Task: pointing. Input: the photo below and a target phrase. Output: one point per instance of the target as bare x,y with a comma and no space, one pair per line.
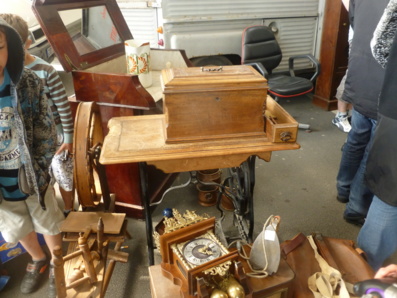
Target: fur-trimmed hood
16,52
384,34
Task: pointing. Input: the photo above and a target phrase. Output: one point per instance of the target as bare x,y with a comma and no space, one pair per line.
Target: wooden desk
141,139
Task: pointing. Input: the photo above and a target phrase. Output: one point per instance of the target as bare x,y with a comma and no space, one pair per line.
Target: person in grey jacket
27,145
363,84
378,236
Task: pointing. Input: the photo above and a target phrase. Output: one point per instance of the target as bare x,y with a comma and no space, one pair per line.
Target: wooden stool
86,269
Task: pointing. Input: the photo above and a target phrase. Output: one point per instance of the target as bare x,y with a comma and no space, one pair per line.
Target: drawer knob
285,136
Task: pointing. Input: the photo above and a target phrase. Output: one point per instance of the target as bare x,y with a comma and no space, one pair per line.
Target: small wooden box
203,103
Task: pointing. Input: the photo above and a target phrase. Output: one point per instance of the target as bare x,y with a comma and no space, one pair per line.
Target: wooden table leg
251,169
148,215
59,272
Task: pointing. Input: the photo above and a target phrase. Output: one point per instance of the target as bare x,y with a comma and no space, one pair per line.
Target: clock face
201,250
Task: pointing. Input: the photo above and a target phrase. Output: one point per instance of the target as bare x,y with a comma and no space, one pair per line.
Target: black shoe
52,288
34,273
355,219
343,200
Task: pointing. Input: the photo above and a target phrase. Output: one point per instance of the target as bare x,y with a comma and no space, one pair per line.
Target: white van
210,30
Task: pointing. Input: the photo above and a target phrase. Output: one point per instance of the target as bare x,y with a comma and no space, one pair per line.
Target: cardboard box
8,251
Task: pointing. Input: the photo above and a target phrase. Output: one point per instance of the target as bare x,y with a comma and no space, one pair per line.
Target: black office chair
261,50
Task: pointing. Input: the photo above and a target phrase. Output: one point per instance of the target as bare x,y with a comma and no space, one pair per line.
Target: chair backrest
259,44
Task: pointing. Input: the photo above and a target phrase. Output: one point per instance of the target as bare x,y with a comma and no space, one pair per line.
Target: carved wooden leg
100,237
88,261
59,272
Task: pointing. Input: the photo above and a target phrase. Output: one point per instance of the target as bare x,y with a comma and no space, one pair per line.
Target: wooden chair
260,49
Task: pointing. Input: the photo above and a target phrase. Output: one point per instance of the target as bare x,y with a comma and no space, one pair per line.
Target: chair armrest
259,67
315,62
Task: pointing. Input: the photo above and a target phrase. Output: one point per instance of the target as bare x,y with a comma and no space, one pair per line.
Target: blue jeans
350,179
378,236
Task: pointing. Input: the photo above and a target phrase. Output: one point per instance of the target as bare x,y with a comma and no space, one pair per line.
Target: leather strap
328,281
288,246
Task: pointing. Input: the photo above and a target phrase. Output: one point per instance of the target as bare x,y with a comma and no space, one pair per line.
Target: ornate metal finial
178,221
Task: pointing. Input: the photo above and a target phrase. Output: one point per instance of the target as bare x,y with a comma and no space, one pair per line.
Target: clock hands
200,250
205,250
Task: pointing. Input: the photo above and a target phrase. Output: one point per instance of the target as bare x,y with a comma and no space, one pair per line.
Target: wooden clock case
191,281
100,74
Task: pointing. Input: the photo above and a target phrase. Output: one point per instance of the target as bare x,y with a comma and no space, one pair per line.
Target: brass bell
218,294
234,288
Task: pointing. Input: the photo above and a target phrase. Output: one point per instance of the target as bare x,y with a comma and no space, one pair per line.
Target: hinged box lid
72,29
198,79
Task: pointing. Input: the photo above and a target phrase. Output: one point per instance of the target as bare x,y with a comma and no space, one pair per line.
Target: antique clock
199,250
192,254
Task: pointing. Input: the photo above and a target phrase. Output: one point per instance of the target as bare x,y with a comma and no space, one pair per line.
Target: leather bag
340,255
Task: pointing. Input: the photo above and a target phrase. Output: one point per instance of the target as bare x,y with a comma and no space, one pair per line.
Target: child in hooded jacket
27,146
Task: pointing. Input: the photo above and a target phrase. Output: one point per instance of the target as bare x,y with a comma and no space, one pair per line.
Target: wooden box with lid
203,103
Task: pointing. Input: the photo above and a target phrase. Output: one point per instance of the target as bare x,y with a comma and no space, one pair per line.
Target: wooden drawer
280,126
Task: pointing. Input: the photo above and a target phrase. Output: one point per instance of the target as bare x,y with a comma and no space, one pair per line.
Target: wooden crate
204,104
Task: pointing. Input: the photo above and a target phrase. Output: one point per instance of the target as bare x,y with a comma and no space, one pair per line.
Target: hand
205,250
388,271
65,146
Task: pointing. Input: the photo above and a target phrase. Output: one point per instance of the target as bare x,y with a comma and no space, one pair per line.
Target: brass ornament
232,287
180,221
236,291
220,270
216,293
